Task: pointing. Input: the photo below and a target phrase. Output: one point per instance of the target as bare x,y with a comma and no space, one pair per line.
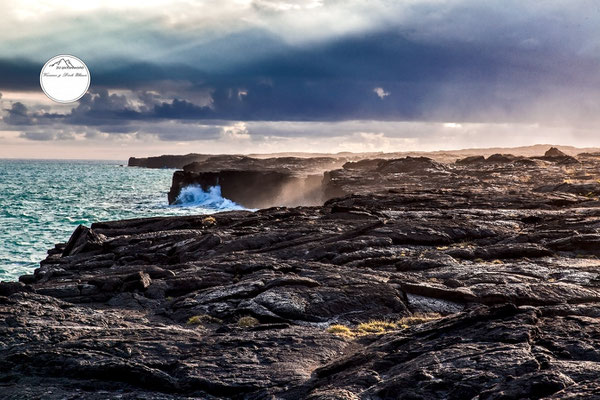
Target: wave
195,196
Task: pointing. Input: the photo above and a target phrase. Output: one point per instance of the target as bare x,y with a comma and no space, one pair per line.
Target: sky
261,76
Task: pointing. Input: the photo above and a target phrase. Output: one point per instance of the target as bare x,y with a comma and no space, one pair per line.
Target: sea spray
195,196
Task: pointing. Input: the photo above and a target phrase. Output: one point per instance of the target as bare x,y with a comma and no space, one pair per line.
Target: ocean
42,202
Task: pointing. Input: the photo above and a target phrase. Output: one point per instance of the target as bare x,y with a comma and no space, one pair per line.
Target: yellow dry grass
378,327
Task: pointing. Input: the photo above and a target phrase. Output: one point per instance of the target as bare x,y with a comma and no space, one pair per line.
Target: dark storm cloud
18,114
178,109
456,61
336,81
122,73
103,113
99,108
19,74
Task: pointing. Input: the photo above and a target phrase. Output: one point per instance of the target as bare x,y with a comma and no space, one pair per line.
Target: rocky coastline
259,183
410,278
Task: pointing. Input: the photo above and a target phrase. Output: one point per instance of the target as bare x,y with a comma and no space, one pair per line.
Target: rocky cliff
448,156
429,281
259,183
166,161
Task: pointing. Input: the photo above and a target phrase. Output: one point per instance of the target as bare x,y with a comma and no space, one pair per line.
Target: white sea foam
195,196
42,202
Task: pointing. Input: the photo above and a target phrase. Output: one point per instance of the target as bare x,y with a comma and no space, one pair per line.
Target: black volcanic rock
166,161
592,155
410,165
501,158
506,351
253,189
470,160
9,288
293,165
450,282
556,156
368,164
584,189
82,240
496,159
553,152
258,183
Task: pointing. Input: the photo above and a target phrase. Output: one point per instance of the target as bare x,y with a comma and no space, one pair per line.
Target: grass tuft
202,319
416,319
341,330
247,322
378,327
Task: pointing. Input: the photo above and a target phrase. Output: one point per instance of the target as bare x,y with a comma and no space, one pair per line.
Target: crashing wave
195,196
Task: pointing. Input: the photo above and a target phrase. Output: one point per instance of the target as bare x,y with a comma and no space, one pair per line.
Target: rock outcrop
463,281
495,159
423,165
259,183
470,160
555,155
166,161
553,152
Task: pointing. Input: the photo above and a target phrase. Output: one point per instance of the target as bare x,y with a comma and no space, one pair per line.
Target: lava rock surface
486,274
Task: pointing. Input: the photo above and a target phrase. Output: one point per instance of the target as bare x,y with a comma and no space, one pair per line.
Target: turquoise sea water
42,202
